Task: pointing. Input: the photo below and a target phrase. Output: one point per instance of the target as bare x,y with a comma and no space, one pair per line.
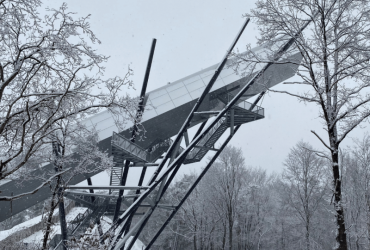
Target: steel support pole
121,243
196,106
156,181
89,182
257,100
200,129
62,213
173,156
173,174
190,190
232,111
186,136
198,103
139,113
161,190
163,187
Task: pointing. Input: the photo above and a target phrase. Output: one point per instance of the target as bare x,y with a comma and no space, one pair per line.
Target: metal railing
73,225
204,140
158,149
247,105
129,146
77,221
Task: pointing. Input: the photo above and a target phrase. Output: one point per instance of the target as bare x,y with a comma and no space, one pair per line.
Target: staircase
116,172
208,141
244,112
100,205
123,149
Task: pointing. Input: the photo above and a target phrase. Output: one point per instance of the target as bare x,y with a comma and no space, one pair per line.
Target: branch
10,198
321,139
354,125
1,73
349,111
298,96
318,153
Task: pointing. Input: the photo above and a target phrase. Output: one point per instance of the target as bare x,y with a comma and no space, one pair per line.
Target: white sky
192,35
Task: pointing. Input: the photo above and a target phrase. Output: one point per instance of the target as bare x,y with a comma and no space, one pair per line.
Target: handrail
81,216
129,146
247,105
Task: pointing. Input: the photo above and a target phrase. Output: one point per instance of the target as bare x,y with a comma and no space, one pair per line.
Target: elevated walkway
166,110
123,148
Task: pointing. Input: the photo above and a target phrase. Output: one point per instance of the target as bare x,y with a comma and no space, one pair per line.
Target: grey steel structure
214,98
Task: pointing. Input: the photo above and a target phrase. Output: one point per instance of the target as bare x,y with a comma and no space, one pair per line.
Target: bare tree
255,210
47,67
356,163
72,139
304,185
228,174
334,71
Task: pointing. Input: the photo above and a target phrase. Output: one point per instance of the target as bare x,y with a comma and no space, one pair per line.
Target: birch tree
334,72
49,73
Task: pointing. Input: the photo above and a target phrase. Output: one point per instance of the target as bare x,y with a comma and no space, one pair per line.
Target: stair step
209,140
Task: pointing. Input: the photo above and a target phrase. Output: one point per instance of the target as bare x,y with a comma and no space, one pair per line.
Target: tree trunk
368,219
307,237
195,238
230,228
341,235
62,219
224,237
49,221
307,228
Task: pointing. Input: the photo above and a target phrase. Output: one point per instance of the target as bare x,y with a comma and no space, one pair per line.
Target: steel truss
149,197
161,180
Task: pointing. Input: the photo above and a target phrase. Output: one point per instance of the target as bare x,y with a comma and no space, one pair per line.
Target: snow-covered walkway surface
4,234
29,223
106,223
37,236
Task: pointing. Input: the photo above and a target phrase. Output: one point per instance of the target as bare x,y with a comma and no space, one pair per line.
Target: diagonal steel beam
157,179
190,190
180,134
198,103
186,124
139,113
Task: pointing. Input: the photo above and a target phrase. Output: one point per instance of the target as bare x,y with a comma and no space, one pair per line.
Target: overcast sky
192,35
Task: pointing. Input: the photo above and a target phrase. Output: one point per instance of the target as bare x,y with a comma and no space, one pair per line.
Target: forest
236,206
